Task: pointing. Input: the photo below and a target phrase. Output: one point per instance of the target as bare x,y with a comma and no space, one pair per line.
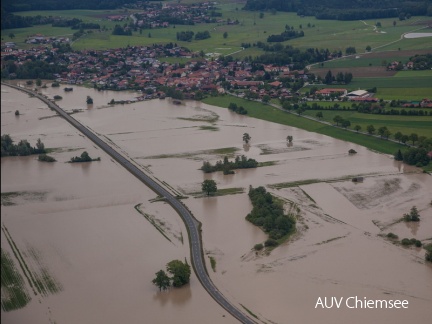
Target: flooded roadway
332,254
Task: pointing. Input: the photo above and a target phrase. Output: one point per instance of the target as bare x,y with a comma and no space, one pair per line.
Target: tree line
268,214
23,148
344,10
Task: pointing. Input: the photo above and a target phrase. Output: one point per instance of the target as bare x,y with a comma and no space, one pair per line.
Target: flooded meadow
95,236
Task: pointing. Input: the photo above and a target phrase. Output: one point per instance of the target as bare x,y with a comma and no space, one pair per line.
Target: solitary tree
337,119
357,128
370,129
17,113
413,137
246,138
413,216
11,35
225,35
89,100
162,280
345,123
398,156
398,136
289,138
209,186
319,115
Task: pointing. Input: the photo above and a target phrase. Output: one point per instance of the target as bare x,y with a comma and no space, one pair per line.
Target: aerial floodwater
94,236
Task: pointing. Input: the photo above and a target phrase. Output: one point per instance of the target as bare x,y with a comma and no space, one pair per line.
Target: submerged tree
181,272
162,281
289,138
413,216
209,186
246,138
89,100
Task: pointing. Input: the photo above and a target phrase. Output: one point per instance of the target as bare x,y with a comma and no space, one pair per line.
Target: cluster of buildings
162,15
356,95
41,39
138,67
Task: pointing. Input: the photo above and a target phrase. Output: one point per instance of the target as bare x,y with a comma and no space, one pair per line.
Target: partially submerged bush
258,246
392,236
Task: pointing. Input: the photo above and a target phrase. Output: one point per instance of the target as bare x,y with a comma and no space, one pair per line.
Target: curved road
192,225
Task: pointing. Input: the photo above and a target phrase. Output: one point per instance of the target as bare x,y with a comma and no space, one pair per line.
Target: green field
334,35
422,125
266,112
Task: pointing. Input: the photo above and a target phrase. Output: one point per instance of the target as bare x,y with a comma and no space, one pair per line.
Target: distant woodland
27,5
345,10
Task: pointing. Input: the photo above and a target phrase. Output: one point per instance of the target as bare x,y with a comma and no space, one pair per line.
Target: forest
345,10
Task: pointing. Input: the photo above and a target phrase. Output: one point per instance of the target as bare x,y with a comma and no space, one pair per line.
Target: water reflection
175,296
413,227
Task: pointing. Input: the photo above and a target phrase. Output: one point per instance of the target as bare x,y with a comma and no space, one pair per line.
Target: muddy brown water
104,253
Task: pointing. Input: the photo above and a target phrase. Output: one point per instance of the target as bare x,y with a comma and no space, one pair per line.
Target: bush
46,158
418,243
428,255
392,236
258,246
406,242
270,242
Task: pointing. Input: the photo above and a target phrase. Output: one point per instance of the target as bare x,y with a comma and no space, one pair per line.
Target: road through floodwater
193,226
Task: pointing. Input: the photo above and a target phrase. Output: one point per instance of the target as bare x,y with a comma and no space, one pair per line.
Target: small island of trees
240,162
268,213
83,158
180,275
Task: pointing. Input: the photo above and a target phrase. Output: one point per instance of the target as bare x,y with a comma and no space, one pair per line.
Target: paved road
192,225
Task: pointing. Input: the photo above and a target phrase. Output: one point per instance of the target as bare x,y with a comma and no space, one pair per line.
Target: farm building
329,91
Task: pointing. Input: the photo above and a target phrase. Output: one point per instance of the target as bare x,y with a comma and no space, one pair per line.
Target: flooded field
103,253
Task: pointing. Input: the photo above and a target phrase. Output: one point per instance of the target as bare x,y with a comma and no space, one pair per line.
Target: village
141,68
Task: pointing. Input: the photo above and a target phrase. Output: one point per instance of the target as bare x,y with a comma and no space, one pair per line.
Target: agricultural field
251,28
406,125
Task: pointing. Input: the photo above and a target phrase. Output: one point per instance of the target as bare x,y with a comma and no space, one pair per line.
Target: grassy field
405,124
321,33
265,112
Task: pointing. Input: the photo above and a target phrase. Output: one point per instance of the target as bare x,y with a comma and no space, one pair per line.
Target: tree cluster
287,34
237,109
422,62
343,122
185,36
299,59
180,275
32,69
240,162
413,156
268,214
340,78
83,158
23,148
202,35
122,31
